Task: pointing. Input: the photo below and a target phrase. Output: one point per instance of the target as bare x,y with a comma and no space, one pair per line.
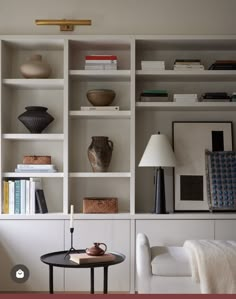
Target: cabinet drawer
175,232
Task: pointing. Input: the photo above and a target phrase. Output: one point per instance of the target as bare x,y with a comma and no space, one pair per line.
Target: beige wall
122,16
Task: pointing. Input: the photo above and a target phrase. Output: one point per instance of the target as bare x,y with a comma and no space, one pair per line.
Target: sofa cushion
170,261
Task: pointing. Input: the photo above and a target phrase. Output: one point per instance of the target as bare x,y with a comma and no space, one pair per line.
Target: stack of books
233,97
215,97
185,98
152,65
35,168
223,65
84,258
23,196
188,65
154,95
100,62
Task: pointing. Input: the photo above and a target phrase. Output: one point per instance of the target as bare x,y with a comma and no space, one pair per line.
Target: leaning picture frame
190,140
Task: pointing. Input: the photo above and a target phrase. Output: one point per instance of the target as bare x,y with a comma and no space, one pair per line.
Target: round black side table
59,259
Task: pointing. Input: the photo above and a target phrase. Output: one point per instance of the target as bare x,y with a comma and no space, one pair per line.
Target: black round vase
36,118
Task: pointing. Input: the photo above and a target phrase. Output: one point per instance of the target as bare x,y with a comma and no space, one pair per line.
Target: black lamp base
159,194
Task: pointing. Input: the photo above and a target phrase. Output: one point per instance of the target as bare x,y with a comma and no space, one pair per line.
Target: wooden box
100,205
37,160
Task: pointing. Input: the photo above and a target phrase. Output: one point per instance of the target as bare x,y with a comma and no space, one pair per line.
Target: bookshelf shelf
33,174
34,83
100,175
199,106
100,114
30,137
111,75
173,75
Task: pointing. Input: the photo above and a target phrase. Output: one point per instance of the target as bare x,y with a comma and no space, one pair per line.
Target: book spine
104,66
32,197
5,209
35,166
100,57
23,196
27,197
41,202
35,170
97,61
17,207
98,108
11,196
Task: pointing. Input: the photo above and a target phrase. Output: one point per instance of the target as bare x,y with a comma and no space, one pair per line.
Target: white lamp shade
158,153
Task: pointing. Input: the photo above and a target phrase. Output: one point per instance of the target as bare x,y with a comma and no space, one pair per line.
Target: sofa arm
143,257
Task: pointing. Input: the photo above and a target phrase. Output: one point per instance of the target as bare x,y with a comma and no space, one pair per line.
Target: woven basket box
100,205
37,160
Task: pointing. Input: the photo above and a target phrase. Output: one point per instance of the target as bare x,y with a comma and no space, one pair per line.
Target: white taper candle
71,216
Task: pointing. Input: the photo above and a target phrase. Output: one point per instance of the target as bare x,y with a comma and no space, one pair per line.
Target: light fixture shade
158,153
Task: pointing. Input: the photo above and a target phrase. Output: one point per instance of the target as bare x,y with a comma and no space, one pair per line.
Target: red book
101,57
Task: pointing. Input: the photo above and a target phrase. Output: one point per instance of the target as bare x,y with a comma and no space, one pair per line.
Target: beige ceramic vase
35,68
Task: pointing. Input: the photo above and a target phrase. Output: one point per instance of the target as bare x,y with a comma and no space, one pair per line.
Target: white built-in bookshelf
67,138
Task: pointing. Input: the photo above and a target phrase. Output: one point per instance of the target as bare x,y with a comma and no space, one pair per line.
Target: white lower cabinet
175,232
23,242
225,230
116,234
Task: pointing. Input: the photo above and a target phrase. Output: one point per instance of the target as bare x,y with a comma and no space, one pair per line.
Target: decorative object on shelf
100,62
65,25
40,202
190,140
154,95
100,205
185,98
37,160
188,65
221,183
35,68
72,249
50,168
36,118
158,154
152,65
215,97
101,97
100,153
223,65
96,250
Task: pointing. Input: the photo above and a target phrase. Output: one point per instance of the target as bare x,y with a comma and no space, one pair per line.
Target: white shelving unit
68,137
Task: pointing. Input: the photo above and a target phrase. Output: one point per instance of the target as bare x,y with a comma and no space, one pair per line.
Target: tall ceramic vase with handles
100,153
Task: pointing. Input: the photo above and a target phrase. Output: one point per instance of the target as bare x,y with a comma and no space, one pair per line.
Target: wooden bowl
101,97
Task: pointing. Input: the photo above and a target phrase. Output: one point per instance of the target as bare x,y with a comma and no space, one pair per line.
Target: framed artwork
190,141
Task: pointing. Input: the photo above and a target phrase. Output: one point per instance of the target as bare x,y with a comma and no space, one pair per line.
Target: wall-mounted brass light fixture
65,25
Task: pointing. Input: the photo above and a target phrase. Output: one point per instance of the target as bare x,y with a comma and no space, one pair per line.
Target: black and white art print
190,140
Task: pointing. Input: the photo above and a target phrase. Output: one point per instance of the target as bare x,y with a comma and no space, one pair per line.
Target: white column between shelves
66,128
132,127
1,99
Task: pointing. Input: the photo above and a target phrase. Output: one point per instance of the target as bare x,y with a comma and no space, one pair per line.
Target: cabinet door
225,230
116,234
175,232
23,242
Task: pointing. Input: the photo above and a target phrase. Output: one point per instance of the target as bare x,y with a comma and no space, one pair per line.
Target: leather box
100,205
37,160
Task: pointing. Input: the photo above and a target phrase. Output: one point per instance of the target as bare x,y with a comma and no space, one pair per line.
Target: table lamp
158,154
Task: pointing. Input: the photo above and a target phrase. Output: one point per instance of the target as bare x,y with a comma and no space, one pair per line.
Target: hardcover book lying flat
83,258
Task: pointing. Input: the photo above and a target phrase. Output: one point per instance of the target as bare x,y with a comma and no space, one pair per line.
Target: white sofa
162,270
